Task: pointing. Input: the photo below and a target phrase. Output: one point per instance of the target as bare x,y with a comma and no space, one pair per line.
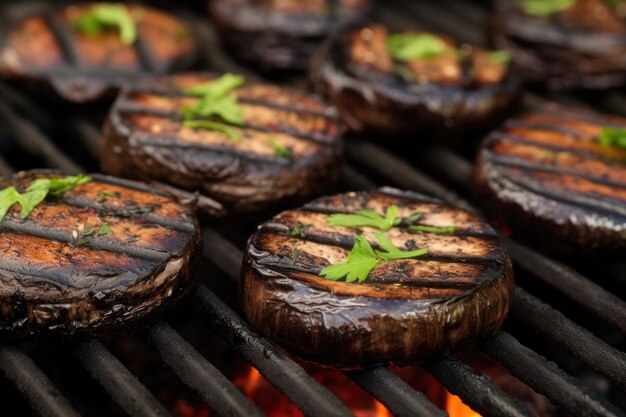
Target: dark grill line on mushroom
130,109
518,162
347,242
241,98
573,198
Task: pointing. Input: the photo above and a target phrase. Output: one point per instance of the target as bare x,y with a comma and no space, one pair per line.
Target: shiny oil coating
48,49
546,176
579,47
145,138
405,312
62,274
373,90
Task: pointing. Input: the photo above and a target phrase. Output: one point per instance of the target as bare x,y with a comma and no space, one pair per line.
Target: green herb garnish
499,57
211,125
36,193
405,46
104,16
280,150
545,8
362,259
612,137
431,229
105,229
367,218
217,103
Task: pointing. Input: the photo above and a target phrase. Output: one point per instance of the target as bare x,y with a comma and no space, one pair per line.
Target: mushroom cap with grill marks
406,311
100,258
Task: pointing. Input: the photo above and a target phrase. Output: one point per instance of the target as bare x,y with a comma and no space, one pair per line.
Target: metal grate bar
35,142
553,325
286,375
547,378
399,397
581,290
122,385
200,375
41,394
594,298
477,391
376,159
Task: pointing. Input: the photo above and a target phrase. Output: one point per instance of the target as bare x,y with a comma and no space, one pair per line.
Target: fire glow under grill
29,125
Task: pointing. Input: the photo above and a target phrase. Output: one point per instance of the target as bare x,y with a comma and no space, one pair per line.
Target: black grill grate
27,125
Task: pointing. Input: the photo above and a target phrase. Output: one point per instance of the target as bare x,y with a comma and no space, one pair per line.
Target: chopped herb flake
406,46
36,193
545,8
362,259
216,103
105,229
499,57
103,16
280,150
366,217
431,229
613,137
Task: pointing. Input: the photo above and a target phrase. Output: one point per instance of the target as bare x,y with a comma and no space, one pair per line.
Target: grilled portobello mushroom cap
97,260
545,177
459,89
281,35
406,311
582,46
290,147
47,51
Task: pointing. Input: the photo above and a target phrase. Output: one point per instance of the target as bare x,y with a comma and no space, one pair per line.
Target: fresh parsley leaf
211,125
226,108
367,218
89,231
431,229
405,46
413,217
359,263
216,103
546,8
393,252
499,57
102,16
362,259
218,87
612,136
280,150
36,193
105,229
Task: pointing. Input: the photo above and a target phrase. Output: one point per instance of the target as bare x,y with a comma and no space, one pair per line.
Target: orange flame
456,408
380,410
252,382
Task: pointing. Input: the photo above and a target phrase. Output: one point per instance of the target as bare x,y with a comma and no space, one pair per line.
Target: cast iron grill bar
377,380
581,343
476,390
200,375
568,282
402,400
118,381
35,142
227,257
547,378
134,397
39,391
286,375
594,298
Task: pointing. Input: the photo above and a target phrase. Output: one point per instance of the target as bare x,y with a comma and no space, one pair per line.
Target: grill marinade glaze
405,312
